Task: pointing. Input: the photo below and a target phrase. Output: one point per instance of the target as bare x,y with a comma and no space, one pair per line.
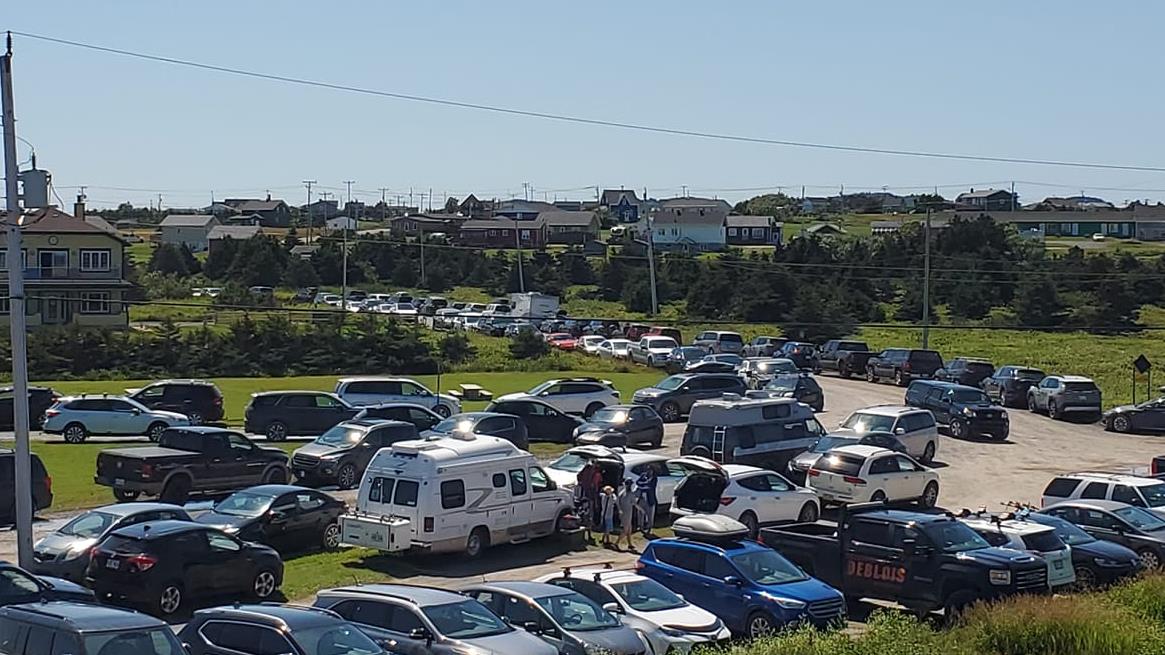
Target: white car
615,349
330,299
1040,540
402,309
858,474
914,427
362,391
754,496
652,350
76,418
582,396
590,343
618,465
670,624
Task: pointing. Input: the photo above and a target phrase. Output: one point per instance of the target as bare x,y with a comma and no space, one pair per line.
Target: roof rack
359,588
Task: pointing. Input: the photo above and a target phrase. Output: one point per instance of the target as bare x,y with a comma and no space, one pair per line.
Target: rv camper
757,429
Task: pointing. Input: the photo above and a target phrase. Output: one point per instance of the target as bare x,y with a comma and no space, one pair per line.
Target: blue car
753,589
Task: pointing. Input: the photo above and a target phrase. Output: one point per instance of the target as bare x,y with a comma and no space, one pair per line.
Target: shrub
455,348
528,345
1145,596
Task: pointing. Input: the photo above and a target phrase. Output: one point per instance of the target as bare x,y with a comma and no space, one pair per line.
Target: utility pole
1013,196
518,245
651,263
308,183
926,282
23,477
685,190
383,205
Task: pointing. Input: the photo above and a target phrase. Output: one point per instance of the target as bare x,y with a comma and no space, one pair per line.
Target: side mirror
733,581
532,627
899,431
421,633
135,411
186,646
612,608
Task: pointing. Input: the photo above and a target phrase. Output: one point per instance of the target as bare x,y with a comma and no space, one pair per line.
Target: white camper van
453,493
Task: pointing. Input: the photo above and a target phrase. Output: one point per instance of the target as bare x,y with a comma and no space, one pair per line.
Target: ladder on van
718,443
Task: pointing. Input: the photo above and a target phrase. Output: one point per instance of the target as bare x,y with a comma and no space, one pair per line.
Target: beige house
73,272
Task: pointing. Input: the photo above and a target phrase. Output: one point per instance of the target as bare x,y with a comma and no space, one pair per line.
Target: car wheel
346,476
476,543
958,428
331,537
274,476
1053,411
1032,406
1120,423
591,409
928,453
701,451
169,599
760,624
878,496
899,379
843,371
75,433
650,361
957,603
442,411
870,377
669,412
819,407
154,432
176,491
809,513
276,431
750,521
195,418
1085,578
264,584
657,442
1149,558
126,495
929,495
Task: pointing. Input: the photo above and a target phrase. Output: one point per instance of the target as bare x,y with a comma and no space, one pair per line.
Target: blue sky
1037,79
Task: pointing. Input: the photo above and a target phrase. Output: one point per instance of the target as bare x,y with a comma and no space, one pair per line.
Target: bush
1086,624
528,345
455,348
1144,596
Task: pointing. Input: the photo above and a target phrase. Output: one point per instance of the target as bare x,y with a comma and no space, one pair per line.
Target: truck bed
145,452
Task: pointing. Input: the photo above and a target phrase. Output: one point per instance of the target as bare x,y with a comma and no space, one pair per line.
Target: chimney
79,207
268,196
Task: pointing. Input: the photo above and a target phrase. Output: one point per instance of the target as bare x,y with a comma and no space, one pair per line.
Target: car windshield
244,503
672,383
610,416
689,353
1032,374
1080,386
454,424
784,382
647,595
542,387
158,641
1154,494
777,366
731,337
335,639
828,442
341,435
859,422
467,619
1067,532
571,462
88,525
1140,519
661,343
954,537
971,396
576,613
767,567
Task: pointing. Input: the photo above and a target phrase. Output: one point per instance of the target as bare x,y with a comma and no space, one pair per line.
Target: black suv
42,485
966,411
422,417
282,414
673,397
83,629
340,455
1008,386
161,564
39,399
199,400
269,628
903,365
965,371
510,427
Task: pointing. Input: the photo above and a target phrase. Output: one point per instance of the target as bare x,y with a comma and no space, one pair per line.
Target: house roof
984,193
187,220
233,232
568,218
613,196
824,227
503,224
692,201
51,219
689,218
253,205
740,220
885,225
100,223
519,205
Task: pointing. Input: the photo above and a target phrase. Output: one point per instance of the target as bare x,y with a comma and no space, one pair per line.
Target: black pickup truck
201,459
922,561
843,357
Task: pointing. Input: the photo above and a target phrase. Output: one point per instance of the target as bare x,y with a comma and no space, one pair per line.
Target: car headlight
999,577
1105,561
467,650
788,394
967,411
786,603
672,632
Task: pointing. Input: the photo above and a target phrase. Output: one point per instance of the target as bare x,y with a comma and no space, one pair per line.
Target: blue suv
750,587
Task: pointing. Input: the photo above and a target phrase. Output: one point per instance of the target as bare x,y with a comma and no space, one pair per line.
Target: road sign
1142,364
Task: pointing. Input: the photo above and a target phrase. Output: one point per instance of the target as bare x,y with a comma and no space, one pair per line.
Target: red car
562,340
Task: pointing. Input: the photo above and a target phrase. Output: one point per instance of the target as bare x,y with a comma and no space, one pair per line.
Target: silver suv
715,341
1061,394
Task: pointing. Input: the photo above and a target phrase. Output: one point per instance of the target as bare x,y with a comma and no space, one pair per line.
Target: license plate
1058,565
112,564
118,482
299,474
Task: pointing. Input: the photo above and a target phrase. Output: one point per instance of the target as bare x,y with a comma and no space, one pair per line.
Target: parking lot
973,473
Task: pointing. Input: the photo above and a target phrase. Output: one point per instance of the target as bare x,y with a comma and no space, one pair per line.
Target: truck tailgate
127,462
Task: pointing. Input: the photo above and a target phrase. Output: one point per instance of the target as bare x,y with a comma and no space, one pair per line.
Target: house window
95,302
758,233
95,261
4,305
675,231
701,212
4,260
731,231
492,233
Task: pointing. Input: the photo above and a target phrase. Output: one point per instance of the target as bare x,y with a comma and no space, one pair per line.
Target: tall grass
1089,624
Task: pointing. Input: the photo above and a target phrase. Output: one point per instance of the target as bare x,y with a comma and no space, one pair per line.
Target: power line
588,121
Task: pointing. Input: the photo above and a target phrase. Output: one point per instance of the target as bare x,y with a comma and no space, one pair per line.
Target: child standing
608,504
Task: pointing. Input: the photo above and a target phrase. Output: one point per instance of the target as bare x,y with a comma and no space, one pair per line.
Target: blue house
621,204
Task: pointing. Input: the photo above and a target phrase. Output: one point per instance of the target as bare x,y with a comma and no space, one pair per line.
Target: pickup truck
202,459
652,350
922,561
843,357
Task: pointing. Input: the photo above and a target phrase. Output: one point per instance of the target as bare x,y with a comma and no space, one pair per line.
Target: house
73,272
884,227
272,213
594,248
987,200
322,210
522,210
304,251
688,231
235,232
475,208
342,223
623,205
219,209
1071,203
415,224
571,227
503,233
1138,221
752,230
824,230
243,219
190,230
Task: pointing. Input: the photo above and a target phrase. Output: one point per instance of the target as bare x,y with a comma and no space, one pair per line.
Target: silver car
65,552
1061,394
76,418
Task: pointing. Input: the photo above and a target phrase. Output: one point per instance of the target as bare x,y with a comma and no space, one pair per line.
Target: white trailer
533,305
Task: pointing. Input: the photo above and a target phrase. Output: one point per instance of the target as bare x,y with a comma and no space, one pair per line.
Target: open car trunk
700,491
612,470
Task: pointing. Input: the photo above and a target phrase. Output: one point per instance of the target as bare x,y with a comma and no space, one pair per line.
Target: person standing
608,505
588,481
585,510
645,487
626,502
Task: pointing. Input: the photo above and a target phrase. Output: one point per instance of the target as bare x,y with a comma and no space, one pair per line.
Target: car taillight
727,500
147,470
906,366
853,479
639,565
814,473
217,401
142,562
428,524
48,483
49,413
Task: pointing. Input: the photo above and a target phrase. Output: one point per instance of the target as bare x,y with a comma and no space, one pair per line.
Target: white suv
1148,493
858,474
1007,531
116,416
363,391
752,495
914,427
583,396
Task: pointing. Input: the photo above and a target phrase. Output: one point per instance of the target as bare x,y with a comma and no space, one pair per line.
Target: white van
453,493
